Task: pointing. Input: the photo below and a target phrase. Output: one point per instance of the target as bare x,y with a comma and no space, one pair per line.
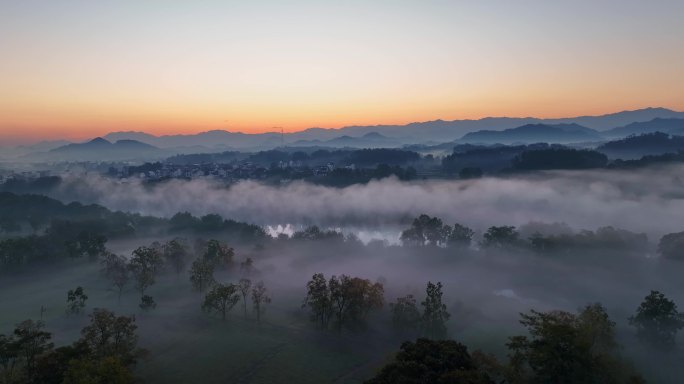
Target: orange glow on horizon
80,71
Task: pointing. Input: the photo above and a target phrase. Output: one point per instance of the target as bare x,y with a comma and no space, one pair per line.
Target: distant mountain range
433,132
504,130
670,126
101,149
531,133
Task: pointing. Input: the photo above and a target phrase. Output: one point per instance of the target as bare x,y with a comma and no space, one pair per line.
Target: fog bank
647,200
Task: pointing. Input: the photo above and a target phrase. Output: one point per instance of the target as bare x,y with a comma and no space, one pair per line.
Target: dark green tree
175,254
318,300
657,321
31,342
109,335
435,315
405,315
219,254
432,361
426,230
202,274
221,299
115,268
352,298
144,266
9,358
671,246
460,236
567,348
500,237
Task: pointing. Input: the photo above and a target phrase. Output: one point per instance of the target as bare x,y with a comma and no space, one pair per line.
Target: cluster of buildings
227,172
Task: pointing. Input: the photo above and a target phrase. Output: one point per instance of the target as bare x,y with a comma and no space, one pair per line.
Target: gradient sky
77,69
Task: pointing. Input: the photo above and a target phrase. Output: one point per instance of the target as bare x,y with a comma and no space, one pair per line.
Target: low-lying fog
646,200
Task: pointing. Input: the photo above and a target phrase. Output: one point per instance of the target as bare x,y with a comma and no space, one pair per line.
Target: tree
144,265
657,321
175,253
91,244
202,274
500,237
147,303
671,246
9,357
432,361
109,335
405,314
76,299
244,286
115,268
259,298
435,313
426,230
247,266
31,341
352,298
108,370
218,253
221,299
563,347
318,300
460,236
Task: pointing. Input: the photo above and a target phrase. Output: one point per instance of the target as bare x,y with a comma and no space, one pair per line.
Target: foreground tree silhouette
657,321
109,335
105,353
30,342
221,299
431,361
563,347
435,313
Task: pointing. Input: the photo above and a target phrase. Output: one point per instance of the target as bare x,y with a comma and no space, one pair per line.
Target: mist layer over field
645,200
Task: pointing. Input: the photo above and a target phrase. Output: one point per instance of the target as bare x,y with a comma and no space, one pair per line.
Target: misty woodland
347,192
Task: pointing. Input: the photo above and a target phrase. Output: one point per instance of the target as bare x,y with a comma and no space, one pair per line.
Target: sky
77,69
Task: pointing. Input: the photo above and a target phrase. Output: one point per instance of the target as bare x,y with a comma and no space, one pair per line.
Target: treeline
649,149
106,352
39,213
559,346
201,261
432,231
360,157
